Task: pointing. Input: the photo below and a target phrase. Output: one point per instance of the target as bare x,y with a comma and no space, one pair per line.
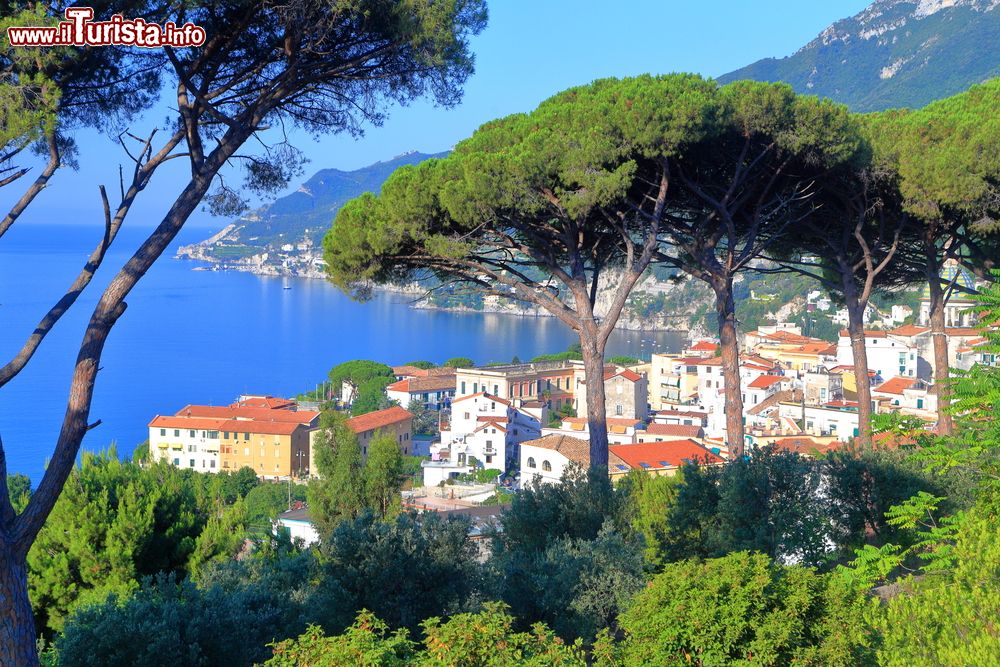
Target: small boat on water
286,284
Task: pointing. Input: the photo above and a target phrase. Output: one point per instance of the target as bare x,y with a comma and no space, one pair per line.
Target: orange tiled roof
661,455
868,334
765,381
909,330
378,419
248,413
267,402
233,425
416,385
895,385
629,375
703,346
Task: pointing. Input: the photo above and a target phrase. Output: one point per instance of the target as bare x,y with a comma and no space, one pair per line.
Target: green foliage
470,639
576,586
403,570
19,491
948,618
421,364
222,539
425,422
769,503
459,362
368,642
269,499
382,476
169,623
140,454
623,360
576,509
744,610
113,524
650,500
367,381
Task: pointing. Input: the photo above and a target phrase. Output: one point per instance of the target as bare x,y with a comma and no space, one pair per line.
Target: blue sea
207,336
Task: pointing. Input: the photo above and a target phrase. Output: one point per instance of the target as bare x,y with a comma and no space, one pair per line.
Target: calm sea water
206,336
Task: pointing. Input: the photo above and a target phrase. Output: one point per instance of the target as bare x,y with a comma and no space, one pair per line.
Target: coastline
308,270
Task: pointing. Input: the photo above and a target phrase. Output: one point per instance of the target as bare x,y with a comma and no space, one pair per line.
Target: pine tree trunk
597,419
725,308
940,341
856,330
17,624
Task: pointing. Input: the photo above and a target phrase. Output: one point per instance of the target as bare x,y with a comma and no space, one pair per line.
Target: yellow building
275,450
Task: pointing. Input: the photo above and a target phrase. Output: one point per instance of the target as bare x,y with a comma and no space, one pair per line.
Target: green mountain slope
301,218
895,53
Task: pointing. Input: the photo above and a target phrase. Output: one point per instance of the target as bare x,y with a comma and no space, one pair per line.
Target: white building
298,525
484,429
186,442
544,460
837,418
888,354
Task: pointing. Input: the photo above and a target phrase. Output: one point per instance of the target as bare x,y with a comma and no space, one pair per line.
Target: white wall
204,451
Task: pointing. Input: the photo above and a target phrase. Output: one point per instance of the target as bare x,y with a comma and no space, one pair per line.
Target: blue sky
529,51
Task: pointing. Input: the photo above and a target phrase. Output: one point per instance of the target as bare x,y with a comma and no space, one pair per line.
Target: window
177,462
246,436
463,389
475,387
191,433
531,462
177,433
546,466
211,464
163,432
489,459
619,410
213,435
466,415
920,404
192,448
192,462
225,435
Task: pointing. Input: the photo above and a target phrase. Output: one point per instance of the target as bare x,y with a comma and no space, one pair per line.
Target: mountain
895,53
294,224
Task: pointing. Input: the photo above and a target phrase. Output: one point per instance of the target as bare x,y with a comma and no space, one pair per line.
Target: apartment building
261,432
396,422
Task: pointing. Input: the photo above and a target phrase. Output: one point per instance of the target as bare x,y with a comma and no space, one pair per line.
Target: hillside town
521,420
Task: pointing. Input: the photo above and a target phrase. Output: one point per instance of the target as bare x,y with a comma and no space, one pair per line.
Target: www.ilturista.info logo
79,29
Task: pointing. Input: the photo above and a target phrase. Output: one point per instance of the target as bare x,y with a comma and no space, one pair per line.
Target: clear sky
530,50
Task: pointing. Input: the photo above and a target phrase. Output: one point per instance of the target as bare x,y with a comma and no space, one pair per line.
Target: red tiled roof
765,381
233,425
418,385
266,402
909,330
248,414
703,346
682,413
378,419
169,421
895,385
894,439
629,375
675,430
661,455
714,361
